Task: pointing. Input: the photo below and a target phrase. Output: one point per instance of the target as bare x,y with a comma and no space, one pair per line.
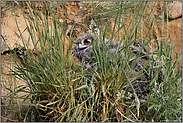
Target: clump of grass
58,92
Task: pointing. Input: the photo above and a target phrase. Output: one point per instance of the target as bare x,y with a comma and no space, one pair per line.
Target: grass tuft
61,90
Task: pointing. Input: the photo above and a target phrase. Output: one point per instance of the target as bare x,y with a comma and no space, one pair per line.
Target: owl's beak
76,48
77,53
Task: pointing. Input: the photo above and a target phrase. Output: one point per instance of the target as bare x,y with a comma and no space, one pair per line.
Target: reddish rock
174,9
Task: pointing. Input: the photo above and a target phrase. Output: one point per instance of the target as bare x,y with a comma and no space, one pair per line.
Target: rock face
11,36
174,9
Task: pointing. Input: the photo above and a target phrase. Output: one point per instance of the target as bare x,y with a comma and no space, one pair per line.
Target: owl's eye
137,45
86,42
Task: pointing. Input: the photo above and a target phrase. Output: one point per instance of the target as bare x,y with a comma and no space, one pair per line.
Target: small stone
19,25
61,20
174,9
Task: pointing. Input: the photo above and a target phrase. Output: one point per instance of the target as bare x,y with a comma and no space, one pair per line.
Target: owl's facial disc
83,47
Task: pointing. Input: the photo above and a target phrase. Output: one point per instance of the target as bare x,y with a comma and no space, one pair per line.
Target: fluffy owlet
87,43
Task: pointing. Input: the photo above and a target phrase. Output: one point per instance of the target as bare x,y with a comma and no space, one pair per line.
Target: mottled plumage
85,49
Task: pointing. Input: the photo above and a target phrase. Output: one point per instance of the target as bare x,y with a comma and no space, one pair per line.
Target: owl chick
85,52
